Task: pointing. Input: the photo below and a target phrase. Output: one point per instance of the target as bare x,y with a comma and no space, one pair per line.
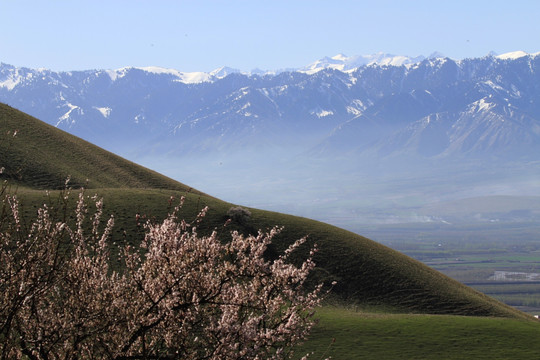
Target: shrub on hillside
239,214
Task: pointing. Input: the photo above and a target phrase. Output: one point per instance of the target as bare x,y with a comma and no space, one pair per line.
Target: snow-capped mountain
382,103
348,63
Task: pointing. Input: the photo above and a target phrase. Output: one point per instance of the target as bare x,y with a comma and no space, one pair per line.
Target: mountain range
326,125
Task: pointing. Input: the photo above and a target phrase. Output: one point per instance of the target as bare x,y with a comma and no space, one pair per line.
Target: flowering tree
180,295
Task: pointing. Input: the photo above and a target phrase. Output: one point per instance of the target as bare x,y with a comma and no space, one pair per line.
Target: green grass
360,335
41,156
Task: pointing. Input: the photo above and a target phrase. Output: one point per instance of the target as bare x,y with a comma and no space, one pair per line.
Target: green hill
41,157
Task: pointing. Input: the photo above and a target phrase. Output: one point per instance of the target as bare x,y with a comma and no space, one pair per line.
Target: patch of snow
117,74
67,115
483,105
186,78
350,63
195,78
10,82
281,89
105,111
244,111
438,62
223,71
138,118
183,77
353,110
243,92
160,71
340,57
393,61
13,79
512,55
321,113
356,107
493,85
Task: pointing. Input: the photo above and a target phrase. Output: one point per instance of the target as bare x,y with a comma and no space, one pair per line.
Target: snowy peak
515,55
11,77
116,74
184,77
223,71
348,63
512,55
195,77
339,57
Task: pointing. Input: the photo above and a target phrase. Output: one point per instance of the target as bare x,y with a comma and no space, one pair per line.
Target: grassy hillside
40,157
345,334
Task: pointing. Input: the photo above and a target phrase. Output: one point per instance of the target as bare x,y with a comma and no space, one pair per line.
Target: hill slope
40,157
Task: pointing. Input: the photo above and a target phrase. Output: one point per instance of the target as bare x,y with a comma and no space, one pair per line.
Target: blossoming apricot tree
180,295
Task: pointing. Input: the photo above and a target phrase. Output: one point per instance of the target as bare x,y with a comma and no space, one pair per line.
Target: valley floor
501,260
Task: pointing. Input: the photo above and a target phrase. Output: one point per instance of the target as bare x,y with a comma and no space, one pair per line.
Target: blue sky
203,35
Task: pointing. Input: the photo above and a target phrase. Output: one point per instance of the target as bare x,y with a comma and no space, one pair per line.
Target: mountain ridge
337,62
234,100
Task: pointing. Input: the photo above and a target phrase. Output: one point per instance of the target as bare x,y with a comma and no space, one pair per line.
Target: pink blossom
181,294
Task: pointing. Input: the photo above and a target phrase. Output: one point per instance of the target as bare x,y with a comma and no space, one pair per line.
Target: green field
377,336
